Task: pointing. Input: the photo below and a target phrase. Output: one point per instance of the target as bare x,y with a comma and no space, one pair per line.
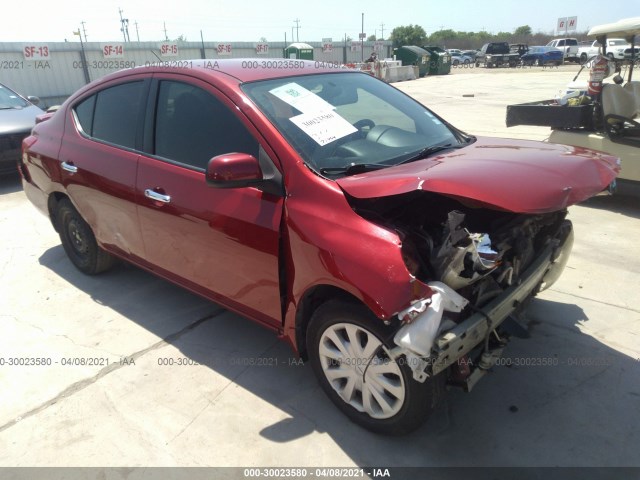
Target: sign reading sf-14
113,51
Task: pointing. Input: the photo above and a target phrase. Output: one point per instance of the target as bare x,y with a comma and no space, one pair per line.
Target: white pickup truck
615,49
568,45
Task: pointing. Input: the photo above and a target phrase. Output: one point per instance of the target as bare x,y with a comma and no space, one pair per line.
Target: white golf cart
602,121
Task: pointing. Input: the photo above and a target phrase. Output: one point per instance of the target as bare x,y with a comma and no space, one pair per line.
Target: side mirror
33,99
233,170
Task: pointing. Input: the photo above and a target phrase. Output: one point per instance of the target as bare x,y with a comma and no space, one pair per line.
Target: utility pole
137,33
166,38
382,30
83,59
297,20
362,39
124,22
84,31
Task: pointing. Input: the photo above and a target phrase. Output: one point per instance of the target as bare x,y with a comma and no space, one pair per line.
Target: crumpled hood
514,175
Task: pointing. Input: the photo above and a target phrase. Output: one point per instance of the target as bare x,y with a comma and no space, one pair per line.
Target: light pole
362,38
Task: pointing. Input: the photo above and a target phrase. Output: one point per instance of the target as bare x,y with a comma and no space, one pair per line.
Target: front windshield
340,119
9,99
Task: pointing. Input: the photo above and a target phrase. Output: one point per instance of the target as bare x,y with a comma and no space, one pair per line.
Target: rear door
99,155
222,243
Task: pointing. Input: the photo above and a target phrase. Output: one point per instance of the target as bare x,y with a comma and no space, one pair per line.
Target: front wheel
349,352
79,242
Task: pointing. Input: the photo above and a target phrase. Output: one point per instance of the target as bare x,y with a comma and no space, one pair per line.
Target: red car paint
514,175
262,254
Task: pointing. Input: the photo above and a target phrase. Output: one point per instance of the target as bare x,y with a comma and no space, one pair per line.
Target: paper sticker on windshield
299,97
324,127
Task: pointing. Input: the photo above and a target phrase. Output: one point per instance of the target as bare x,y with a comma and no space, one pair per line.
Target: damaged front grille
478,262
478,252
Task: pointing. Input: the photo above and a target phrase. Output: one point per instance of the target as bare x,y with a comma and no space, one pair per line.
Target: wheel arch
52,205
309,303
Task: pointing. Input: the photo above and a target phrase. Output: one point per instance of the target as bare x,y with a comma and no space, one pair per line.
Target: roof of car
242,69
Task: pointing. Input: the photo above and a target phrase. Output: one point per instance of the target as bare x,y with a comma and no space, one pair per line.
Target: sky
250,20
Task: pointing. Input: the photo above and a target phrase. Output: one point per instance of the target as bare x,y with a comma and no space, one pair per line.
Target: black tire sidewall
66,214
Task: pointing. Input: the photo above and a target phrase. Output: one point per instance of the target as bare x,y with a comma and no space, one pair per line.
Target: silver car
17,118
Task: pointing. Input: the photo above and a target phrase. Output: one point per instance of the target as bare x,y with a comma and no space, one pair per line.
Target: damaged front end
482,266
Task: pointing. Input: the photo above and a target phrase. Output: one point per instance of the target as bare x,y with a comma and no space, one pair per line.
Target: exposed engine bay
469,255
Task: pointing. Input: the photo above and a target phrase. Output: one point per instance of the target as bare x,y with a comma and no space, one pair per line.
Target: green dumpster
440,60
412,55
300,51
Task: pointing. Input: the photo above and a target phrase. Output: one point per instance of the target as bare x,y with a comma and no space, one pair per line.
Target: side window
192,126
561,43
84,114
116,114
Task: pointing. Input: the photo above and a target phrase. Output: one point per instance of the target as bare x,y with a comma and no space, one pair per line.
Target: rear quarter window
84,114
111,114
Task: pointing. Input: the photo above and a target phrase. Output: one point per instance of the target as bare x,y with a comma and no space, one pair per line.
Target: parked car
542,56
519,48
569,47
470,53
460,59
17,118
496,54
616,48
386,246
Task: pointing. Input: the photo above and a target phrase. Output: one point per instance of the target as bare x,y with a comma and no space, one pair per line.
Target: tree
181,38
408,35
524,30
371,38
263,39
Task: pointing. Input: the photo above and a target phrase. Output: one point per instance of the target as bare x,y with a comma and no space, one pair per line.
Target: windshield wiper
428,151
352,169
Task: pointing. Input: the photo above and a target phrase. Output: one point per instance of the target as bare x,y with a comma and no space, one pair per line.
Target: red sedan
389,248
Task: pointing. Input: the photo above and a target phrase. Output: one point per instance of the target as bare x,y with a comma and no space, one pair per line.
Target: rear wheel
79,242
349,352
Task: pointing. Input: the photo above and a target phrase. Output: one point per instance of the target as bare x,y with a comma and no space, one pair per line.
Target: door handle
159,197
69,167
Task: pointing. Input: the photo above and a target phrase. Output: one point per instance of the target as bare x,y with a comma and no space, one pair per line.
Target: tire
345,337
467,62
583,58
78,241
537,62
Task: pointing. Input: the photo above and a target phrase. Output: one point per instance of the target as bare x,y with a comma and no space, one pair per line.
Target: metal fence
53,71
